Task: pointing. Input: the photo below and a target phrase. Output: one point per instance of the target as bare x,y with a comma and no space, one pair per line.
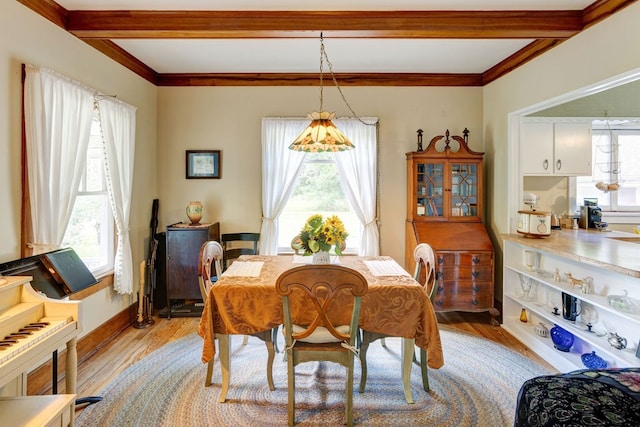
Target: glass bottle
523,315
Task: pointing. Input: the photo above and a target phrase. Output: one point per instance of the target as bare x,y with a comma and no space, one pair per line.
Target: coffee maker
591,216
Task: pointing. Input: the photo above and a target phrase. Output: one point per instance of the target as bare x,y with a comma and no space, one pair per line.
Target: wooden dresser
183,242
444,209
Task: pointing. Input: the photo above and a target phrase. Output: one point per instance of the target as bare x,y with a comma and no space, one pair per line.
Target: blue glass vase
562,339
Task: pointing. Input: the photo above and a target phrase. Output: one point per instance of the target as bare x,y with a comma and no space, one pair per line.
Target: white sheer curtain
357,168
118,124
57,114
358,173
280,167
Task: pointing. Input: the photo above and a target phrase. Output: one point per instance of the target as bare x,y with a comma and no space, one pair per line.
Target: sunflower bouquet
319,234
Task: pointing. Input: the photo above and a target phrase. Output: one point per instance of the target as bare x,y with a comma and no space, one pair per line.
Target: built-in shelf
540,305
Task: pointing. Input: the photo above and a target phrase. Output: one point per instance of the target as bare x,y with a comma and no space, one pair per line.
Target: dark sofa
587,397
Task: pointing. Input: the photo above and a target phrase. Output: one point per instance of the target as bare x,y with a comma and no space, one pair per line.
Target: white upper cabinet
555,148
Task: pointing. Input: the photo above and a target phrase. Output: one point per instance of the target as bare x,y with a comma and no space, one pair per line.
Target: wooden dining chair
425,274
237,244
313,290
209,270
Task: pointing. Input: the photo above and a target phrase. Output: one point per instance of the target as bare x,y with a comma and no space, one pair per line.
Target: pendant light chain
324,57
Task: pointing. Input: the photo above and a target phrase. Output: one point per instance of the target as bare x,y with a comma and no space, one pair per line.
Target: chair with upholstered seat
425,266
315,291
209,270
237,244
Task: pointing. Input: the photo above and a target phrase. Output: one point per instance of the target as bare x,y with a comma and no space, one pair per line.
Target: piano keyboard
29,335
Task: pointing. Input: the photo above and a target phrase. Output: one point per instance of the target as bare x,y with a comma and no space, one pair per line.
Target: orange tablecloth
394,305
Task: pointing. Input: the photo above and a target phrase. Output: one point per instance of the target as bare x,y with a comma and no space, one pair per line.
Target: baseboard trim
39,380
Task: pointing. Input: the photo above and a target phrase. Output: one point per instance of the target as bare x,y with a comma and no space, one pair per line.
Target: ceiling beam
602,9
48,9
526,54
550,28
302,24
123,57
313,79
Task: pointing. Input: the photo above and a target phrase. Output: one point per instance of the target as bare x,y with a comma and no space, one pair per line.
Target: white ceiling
301,55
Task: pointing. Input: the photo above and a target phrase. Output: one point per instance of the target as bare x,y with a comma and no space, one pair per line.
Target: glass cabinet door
430,189
464,189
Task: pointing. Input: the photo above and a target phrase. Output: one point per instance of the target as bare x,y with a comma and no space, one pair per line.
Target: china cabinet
444,209
555,148
582,266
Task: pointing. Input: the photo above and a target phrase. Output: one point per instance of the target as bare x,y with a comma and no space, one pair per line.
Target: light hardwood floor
133,344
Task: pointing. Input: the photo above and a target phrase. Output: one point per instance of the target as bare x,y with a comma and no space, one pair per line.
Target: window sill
621,217
103,282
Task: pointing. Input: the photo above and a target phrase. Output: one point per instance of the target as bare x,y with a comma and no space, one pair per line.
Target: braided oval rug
477,386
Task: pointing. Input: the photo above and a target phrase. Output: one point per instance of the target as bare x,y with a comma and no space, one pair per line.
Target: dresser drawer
463,301
447,288
470,258
464,258
480,274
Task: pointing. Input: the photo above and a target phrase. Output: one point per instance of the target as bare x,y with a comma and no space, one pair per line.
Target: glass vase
562,339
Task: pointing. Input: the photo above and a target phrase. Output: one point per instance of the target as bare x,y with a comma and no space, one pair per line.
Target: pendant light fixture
322,135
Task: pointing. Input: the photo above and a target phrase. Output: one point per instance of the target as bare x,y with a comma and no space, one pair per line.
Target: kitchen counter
605,249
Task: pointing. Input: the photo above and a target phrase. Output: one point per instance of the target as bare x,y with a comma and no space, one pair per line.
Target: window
60,167
318,190
90,231
353,171
615,154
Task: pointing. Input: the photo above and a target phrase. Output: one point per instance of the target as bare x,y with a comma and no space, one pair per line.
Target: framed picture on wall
203,164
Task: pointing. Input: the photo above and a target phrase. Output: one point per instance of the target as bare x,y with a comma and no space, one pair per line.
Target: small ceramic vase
194,212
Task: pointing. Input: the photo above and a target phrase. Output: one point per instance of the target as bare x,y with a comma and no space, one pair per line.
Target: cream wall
25,37
229,119
608,49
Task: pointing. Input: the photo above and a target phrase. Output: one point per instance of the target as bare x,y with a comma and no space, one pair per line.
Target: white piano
32,327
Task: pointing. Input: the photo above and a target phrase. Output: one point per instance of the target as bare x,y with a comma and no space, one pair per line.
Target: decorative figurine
585,284
556,276
419,139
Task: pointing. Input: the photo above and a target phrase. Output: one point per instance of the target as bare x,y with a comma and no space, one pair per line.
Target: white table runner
301,259
385,268
244,269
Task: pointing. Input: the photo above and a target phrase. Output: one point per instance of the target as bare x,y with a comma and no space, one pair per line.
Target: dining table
244,301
